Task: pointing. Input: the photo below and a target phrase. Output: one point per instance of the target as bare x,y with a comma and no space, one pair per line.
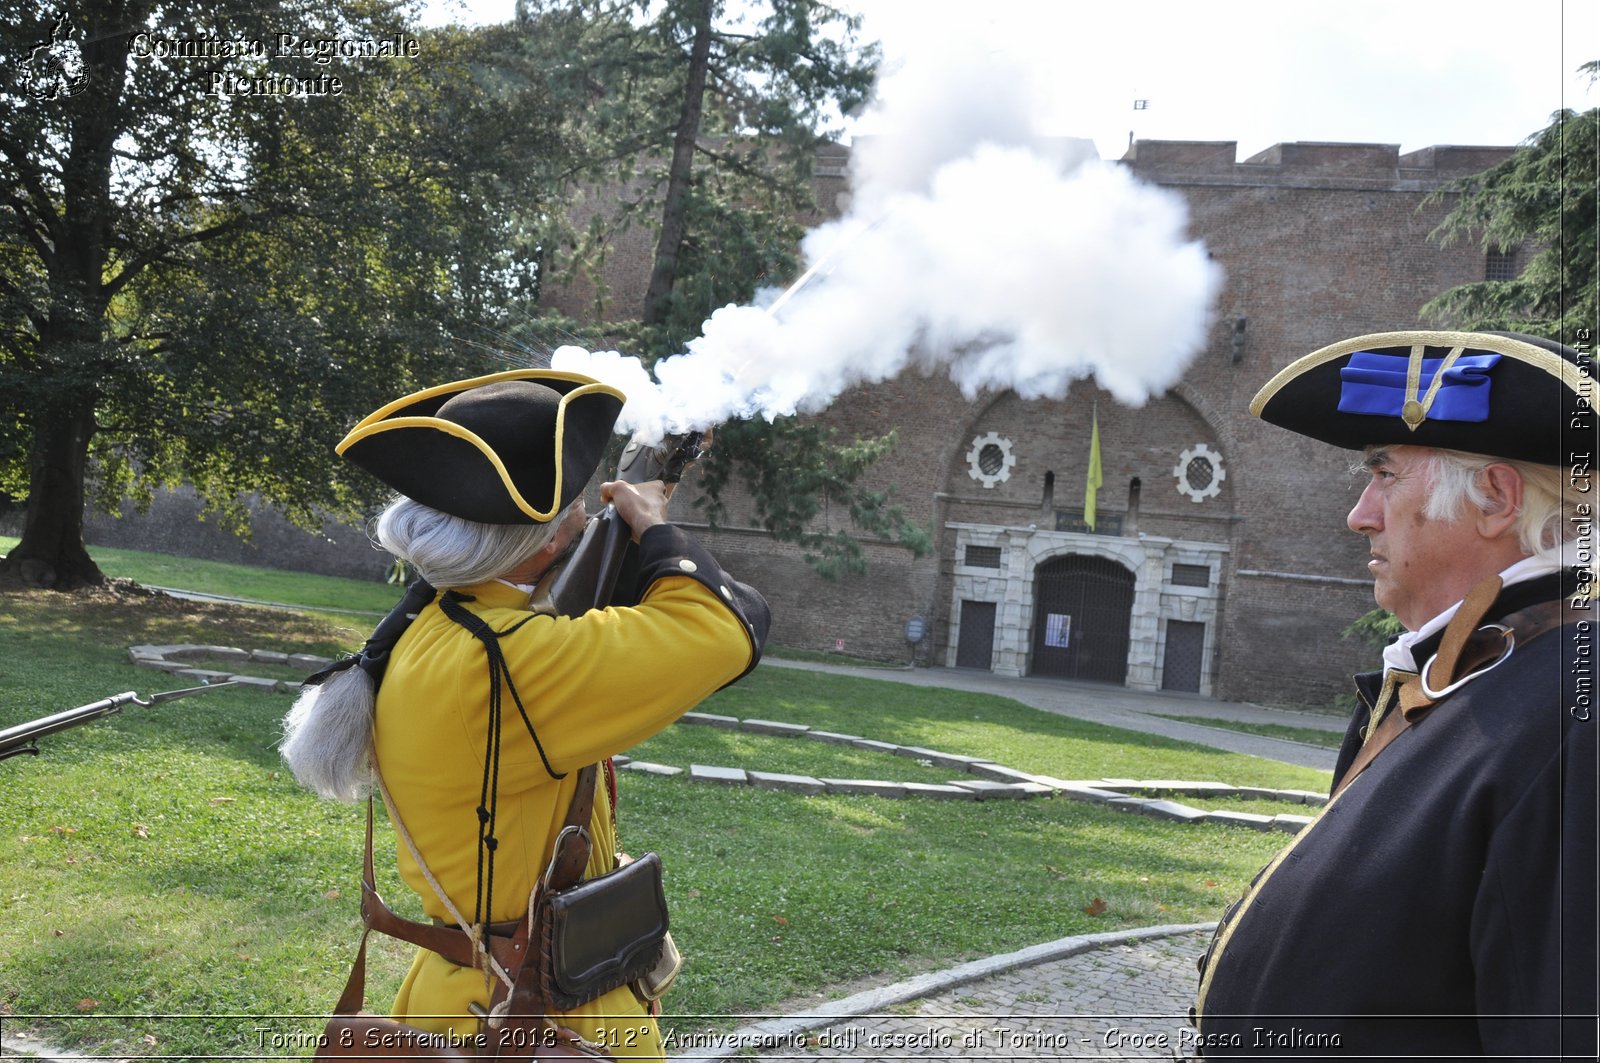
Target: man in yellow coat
487,710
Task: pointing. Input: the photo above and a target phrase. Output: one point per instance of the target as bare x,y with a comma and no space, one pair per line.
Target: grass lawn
244,581
162,863
1309,735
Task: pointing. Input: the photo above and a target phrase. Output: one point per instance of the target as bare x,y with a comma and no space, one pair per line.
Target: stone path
985,780
1103,996
1116,706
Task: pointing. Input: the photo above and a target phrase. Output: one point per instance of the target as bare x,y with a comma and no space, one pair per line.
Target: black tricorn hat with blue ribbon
508,448
1499,394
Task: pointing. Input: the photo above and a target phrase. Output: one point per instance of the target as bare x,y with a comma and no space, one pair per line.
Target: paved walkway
1120,707
1103,996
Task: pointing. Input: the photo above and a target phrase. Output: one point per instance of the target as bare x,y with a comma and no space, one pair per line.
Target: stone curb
786,1029
173,659
991,781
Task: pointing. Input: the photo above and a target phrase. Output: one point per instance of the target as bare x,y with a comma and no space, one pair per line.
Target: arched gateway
1083,608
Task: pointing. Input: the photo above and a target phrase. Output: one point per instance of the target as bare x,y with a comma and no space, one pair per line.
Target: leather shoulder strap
572,848
1466,648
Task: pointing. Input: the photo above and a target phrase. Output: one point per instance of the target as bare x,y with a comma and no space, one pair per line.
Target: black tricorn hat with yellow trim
509,448
1500,394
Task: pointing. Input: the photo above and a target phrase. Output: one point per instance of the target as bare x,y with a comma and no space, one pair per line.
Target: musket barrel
14,739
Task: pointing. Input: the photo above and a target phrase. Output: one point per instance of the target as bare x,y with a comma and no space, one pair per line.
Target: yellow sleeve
601,683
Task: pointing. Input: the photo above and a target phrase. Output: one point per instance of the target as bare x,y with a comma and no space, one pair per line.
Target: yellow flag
1093,486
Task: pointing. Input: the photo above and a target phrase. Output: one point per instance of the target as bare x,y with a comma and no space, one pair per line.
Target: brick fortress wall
1318,242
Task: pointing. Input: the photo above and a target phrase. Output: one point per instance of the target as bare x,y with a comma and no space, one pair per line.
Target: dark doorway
1180,665
1082,609
975,644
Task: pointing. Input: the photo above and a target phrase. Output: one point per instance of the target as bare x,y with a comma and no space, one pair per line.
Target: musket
586,578
23,738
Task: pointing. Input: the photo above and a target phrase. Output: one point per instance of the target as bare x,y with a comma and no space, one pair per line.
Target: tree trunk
51,553
673,221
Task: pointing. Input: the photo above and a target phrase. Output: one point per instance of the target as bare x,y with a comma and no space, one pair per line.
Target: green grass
161,862
1309,735
241,581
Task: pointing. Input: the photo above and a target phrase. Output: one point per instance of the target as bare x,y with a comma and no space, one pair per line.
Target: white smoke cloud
972,246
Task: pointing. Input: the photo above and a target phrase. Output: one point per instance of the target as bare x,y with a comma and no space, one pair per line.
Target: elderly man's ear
1503,487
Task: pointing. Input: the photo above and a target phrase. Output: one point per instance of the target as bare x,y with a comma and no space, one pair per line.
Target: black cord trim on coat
488,795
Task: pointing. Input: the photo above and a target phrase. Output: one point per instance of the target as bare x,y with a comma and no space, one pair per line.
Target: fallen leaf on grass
63,830
332,895
59,933
88,1004
141,831
1211,884
780,920
223,800
1096,907
149,1038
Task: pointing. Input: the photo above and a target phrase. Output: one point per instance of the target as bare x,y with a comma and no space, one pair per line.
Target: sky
1258,72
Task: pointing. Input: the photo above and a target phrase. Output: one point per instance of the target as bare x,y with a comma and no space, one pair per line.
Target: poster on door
1057,629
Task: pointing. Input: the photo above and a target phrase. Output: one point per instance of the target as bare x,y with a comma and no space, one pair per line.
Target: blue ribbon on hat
1376,384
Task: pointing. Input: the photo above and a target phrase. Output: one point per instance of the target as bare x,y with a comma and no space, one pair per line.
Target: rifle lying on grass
23,738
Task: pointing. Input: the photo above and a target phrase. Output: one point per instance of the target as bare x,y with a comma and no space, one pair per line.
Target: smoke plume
971,246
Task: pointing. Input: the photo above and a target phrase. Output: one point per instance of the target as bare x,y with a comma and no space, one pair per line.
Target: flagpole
1095,475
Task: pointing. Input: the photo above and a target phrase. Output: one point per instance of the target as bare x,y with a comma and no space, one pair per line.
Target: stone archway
1083,614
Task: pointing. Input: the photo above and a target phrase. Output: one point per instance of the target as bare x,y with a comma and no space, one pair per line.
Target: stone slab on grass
160,653
940,759
872,787
203,675
259,682
1001,773
1305,797
833,737
711,719
773,727
645,767
1241,819
712,773
774,780
1078,791
1290,824
940,791
1172,810
987,789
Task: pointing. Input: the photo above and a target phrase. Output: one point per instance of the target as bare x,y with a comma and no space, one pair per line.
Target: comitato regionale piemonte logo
55,69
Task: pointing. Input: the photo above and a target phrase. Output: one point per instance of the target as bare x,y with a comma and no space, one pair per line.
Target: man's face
1421,566
570,529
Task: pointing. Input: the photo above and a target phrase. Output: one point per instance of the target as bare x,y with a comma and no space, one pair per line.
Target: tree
708,116
794,471
1542,197
199,283
704,123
